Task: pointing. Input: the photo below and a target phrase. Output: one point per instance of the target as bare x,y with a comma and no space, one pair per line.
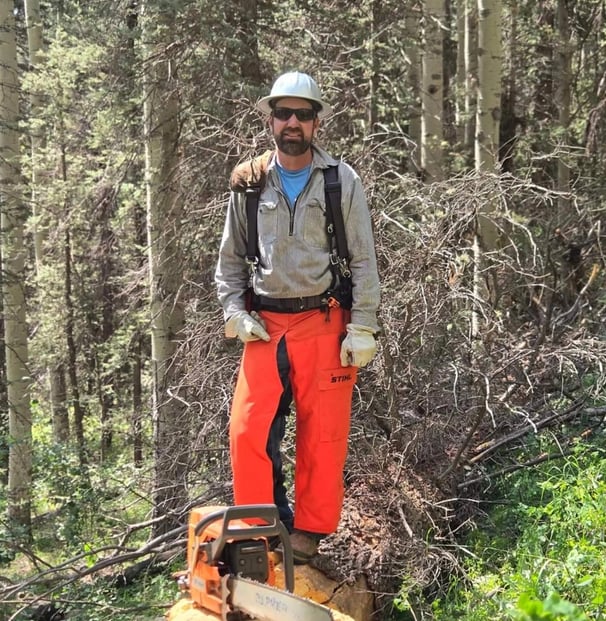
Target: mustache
291,133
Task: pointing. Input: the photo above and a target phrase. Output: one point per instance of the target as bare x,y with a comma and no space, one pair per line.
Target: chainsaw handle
274,527
268,513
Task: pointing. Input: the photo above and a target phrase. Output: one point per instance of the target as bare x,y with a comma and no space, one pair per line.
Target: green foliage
552,608
144,600
81,512
80,506
542,552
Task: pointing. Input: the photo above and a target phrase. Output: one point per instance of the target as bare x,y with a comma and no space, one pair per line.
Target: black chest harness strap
339,293
253,192
334,218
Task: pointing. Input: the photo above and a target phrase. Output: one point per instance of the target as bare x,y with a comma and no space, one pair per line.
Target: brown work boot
304,547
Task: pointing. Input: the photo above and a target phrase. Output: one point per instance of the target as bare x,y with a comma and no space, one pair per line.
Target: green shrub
541,553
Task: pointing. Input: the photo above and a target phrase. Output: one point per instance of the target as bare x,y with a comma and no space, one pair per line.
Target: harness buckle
330,301
340,263
253,263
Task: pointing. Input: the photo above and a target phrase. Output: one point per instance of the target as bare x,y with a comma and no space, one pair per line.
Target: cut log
347,600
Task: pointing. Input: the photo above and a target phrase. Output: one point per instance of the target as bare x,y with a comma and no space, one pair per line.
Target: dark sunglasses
303,114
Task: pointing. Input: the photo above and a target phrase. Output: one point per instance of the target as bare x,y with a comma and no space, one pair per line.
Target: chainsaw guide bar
267,603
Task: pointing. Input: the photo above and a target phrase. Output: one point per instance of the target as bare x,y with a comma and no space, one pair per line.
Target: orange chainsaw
230,571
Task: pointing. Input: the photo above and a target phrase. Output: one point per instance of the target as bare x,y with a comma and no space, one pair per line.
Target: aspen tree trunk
13,284
413,26
56,368
161,127
486,161
488,113
432,90
470,43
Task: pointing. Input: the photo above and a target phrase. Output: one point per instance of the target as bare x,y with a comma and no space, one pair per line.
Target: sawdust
185,610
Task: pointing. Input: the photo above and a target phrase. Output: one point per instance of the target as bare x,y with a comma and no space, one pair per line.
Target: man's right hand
246,326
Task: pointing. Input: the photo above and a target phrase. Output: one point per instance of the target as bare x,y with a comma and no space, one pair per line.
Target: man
301,341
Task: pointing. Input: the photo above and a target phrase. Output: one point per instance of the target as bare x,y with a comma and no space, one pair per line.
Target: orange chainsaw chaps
204,579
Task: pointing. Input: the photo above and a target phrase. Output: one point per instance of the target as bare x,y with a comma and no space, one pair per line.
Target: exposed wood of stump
347,600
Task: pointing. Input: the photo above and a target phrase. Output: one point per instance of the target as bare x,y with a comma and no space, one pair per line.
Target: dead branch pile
438,407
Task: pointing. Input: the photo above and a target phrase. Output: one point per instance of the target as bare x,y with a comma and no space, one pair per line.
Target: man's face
292,135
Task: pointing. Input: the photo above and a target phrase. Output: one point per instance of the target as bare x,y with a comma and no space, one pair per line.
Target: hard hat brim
264,104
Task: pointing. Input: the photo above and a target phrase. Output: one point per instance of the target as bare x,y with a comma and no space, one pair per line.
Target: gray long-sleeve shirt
294,247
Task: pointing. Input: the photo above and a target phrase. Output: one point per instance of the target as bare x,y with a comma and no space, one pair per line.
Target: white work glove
247,327
358,347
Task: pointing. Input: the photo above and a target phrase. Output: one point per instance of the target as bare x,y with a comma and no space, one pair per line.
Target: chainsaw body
232,541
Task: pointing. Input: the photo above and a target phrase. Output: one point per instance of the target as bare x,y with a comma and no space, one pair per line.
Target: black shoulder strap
334,214
252,205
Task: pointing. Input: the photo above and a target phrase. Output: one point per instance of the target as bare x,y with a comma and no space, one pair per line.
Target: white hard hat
295,84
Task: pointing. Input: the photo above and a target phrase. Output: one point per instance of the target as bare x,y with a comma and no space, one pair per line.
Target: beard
292,144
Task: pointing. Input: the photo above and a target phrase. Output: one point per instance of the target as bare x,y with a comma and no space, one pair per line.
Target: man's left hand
359,346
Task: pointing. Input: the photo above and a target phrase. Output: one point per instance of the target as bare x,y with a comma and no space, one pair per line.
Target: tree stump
348,601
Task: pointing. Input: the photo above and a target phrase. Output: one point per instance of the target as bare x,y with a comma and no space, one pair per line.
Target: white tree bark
470,43
13,282
490,60
488,111
432,90
164,206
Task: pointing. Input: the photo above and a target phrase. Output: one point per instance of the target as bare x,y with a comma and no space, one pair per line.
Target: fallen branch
519,466
161,547
486,449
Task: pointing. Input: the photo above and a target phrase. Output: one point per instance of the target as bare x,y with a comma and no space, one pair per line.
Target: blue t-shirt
293,181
